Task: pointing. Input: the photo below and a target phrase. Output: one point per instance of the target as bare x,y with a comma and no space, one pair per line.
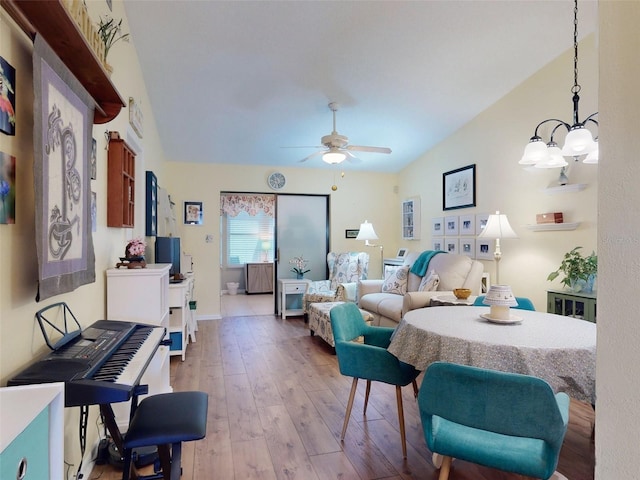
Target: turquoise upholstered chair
507,421
523,303
369,360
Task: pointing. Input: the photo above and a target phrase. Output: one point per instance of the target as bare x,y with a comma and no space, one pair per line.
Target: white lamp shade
594,155
554,158
366,232
498,227
501,296
579,141
334,156
535,152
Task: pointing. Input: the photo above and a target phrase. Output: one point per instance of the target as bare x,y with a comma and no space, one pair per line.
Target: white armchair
345,270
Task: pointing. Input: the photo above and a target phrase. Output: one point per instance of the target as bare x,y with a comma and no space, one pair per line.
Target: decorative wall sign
136,118
94,159
63,123
7,98
459,188
193,213
7,188
151,205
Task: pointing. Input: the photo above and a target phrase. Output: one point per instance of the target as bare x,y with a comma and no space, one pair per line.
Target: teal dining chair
507,421
523,303
368,359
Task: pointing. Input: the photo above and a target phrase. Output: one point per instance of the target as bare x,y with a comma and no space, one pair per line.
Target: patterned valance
233,204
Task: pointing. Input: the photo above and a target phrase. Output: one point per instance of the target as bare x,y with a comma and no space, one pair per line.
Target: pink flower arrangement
136,247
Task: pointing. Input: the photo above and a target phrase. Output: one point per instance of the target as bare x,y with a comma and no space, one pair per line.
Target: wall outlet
209,238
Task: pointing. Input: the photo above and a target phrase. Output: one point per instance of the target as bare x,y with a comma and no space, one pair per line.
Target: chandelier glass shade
334,156
579,141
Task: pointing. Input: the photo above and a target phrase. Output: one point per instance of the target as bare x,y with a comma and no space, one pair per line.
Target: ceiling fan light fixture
334,156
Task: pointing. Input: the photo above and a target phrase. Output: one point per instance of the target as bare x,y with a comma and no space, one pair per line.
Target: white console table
181,324
291,286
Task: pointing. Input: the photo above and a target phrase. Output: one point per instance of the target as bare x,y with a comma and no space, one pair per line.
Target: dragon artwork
61,222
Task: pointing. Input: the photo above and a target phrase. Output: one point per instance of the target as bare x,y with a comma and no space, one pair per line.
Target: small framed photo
459,188
193,213
451,245
451,226
94,159
437,226
438,244
467,225
351,233
483,249
468,247
481,222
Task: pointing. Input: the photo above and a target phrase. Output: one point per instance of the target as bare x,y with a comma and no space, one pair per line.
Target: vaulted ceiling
236,81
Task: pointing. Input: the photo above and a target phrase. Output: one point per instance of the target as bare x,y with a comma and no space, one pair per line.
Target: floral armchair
345,269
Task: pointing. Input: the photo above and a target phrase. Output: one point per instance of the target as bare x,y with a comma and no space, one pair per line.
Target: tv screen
168,251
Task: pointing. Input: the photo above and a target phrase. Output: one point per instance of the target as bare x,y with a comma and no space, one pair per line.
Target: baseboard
208,317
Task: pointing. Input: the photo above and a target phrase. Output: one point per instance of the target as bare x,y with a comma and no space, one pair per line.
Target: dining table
561,350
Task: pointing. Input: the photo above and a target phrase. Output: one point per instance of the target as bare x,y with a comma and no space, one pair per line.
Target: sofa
388,307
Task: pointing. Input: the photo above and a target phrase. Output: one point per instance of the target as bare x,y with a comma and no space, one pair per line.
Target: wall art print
7,188
63,120
7,98
459,188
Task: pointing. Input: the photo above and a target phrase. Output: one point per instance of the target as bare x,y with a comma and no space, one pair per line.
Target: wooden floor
277,403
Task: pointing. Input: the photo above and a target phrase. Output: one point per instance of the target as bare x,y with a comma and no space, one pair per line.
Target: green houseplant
110,32
579,271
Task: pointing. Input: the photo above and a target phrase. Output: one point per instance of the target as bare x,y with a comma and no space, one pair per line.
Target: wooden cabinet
577,305
121,183
259,278
141,295
411,219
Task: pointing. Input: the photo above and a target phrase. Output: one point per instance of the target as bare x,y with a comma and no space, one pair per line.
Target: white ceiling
235,81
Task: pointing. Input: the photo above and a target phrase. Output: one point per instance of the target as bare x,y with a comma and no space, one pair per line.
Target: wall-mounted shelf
569,188
51,20
545,227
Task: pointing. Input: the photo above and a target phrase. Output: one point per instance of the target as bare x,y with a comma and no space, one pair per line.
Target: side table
449,300
291,286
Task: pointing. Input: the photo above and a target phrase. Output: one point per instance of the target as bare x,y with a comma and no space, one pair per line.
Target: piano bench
165,420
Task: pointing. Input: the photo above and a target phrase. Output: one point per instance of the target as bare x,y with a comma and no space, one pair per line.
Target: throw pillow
429,282
395,280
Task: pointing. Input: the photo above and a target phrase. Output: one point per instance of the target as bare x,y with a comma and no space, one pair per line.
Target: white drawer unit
180,321
290,287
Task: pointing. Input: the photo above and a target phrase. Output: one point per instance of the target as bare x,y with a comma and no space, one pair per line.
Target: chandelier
578,142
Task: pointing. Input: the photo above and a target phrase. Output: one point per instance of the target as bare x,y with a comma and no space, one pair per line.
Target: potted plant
579,271
110,32
300,265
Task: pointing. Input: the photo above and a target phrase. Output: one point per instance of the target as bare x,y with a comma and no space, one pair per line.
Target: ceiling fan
336,148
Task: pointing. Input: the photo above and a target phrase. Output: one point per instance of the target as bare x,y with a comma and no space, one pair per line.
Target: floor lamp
367,233
497,227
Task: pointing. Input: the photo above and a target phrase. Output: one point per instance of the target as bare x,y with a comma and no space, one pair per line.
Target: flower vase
299,276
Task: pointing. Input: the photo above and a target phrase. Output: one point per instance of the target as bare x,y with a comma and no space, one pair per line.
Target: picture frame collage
458,234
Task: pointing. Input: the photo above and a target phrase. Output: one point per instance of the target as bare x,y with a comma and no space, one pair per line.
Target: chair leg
401,420
415,389
352,395
165,461
444,470
366,397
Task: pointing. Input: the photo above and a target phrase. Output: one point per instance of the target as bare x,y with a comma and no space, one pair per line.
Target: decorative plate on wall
276,180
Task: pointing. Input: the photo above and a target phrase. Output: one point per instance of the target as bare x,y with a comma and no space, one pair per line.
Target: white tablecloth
558,349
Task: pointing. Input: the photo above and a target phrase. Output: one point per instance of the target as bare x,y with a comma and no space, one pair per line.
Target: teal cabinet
577,305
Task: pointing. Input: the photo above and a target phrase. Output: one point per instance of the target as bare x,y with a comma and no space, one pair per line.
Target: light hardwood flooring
277,402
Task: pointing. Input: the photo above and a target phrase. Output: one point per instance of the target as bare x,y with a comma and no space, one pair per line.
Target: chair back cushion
500,402
347,267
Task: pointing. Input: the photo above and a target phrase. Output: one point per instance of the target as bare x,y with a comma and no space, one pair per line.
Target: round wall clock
276,180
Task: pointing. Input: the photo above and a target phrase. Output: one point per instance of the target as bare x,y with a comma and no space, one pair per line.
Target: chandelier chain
576,87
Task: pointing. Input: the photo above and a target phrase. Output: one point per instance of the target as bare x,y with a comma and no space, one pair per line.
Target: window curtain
252,204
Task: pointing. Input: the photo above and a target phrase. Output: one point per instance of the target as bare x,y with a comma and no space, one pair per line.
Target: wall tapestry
7,188
7,98
63,121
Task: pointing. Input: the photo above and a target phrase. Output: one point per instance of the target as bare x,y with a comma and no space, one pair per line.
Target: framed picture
7,98
351,233
193,213
481,222
94,159
136,118
437,226
468,247
8,192
451,245
459,188
94,212
483,249
467,225
437,243
151,204
451,226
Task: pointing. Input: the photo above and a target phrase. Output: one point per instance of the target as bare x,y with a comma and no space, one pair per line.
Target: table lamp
500,298
497,227
367,233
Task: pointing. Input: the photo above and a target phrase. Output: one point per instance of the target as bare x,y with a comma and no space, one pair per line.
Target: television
168,251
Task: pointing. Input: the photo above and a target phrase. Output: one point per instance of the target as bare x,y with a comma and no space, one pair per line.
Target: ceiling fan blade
360,148
306,146
311,156
351,158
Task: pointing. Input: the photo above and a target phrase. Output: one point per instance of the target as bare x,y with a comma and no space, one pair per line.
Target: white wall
618,368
